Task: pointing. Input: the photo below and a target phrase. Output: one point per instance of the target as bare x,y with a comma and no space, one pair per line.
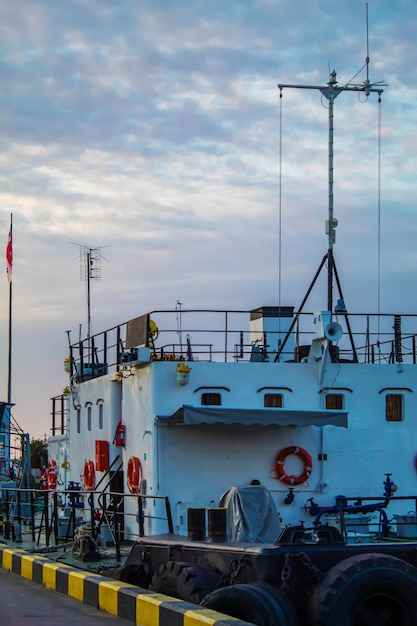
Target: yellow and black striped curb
140,606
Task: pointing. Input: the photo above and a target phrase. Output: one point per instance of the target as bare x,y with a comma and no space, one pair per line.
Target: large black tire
365,590
186,581
260,604
135,574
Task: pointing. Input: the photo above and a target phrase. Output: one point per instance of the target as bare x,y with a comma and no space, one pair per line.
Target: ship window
274,400
394,407
335,401
88,405
100,416
213,399
78,421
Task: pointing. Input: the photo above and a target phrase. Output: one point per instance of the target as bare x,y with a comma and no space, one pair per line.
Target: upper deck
266,334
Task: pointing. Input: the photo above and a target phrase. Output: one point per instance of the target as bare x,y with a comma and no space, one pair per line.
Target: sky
153,129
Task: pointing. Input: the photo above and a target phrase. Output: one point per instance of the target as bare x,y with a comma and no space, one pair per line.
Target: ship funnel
333,331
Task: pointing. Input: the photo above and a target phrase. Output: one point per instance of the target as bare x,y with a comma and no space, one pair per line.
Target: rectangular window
335,401
394,407
213,399
274,400
78,421
89,417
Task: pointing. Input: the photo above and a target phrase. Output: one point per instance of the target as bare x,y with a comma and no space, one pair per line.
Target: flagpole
9,274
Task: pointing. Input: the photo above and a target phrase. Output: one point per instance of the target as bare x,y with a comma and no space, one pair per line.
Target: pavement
24,603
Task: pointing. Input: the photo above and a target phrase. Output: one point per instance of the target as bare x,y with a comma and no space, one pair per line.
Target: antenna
367,46
331,91
90,269
178,308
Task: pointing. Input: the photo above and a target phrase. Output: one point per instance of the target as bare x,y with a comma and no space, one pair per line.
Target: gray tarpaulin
251,514
191,415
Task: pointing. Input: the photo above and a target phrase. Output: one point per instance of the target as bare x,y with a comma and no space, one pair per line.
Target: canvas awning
193,416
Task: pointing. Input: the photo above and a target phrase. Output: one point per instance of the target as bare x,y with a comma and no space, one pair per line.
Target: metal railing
220,335
44,517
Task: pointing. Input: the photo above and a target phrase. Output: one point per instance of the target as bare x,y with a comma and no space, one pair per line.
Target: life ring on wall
291,479
52,474
134,474
89,476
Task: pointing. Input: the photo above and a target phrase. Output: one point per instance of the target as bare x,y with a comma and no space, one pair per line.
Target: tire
135,574
367,589
260,604
186,581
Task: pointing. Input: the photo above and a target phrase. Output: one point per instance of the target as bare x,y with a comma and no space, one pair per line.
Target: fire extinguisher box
102,456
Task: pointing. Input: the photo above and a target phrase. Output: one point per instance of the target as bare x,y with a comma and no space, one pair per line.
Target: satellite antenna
90,270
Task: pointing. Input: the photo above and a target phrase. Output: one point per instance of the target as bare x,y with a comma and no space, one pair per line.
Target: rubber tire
257,603
366,589
134,574
186,581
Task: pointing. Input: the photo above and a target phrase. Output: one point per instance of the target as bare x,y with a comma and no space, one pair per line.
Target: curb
139,606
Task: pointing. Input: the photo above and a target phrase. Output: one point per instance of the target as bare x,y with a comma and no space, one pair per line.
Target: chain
286,574
305,560
231,576
286,569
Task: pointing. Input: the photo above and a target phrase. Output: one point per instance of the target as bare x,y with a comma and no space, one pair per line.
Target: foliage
38,453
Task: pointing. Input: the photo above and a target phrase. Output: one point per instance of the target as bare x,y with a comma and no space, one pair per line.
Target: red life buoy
52,474
291,479
89,476
134,474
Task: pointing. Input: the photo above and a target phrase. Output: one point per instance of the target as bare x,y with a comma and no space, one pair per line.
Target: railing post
140,517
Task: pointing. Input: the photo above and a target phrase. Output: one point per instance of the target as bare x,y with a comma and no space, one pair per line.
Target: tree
38,453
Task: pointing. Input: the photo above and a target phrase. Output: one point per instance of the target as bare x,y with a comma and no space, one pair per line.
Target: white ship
175,408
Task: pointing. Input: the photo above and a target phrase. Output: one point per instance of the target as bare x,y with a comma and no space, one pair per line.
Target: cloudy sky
153,127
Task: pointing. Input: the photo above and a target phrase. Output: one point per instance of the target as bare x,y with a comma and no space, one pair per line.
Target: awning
192,416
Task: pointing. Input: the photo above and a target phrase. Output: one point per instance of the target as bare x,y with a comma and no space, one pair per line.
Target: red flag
9,256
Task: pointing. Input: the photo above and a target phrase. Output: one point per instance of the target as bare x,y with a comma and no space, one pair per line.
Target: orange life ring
134,474
52,474
89,476
291,479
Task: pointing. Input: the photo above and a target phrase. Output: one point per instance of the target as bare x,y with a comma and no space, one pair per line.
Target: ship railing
218,335
46,518
370,518
43,517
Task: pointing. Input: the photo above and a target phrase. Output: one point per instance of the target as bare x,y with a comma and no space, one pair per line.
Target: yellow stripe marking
76,585
26,567
108,595
49,574
204,616
8,558
147,608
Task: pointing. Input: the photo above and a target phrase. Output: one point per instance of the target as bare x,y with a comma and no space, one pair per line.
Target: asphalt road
25,603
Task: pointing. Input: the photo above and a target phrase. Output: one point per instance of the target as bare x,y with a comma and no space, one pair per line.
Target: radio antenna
367,47
331,91
90,269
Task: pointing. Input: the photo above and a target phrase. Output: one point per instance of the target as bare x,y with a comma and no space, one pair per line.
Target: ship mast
330,92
